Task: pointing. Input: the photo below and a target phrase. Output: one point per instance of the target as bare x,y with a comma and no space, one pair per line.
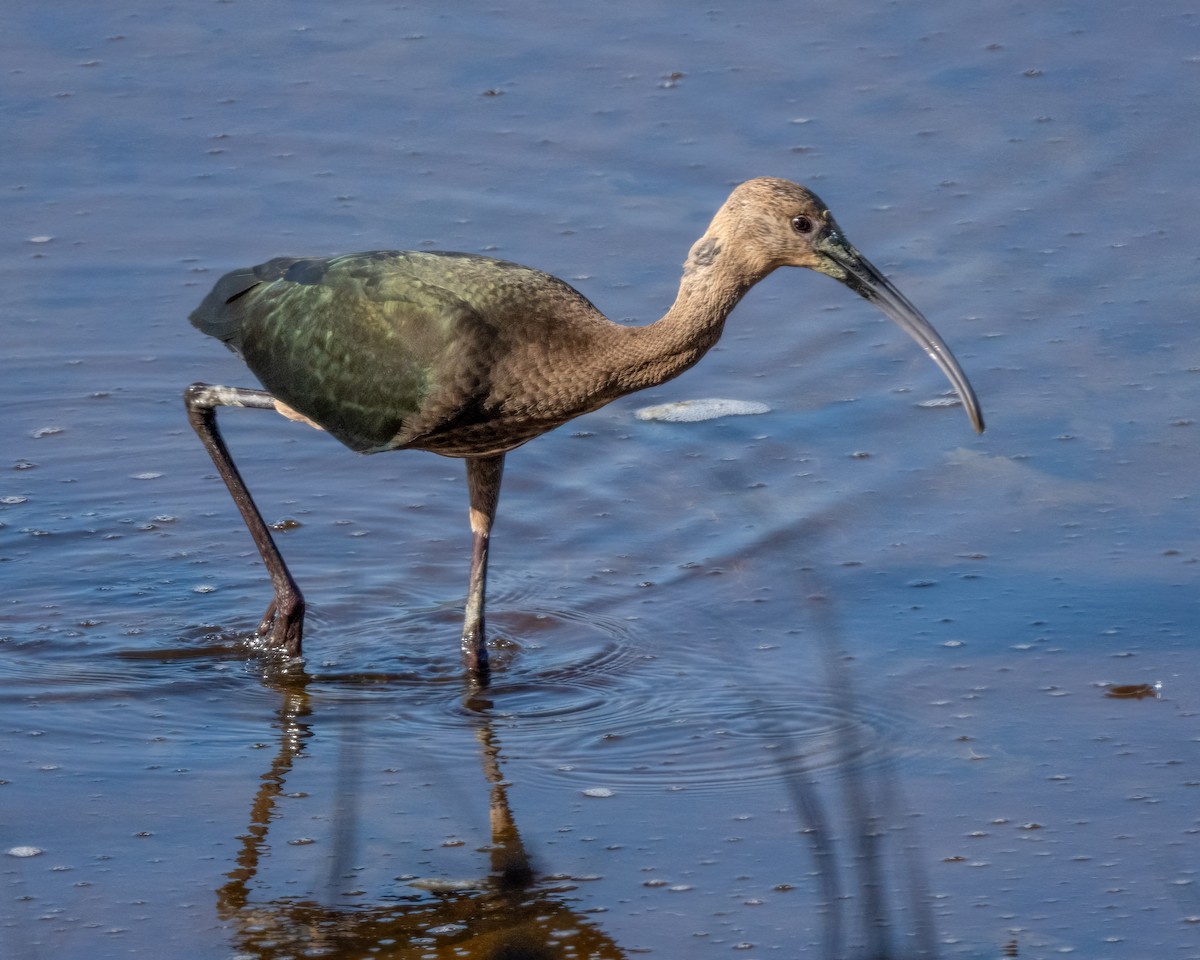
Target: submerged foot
475,653
283,630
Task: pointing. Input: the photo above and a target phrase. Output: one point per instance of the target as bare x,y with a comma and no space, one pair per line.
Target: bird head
776,223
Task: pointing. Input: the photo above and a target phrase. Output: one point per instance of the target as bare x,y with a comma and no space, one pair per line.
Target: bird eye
802,224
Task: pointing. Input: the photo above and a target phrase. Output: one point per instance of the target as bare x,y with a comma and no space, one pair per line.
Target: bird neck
714,280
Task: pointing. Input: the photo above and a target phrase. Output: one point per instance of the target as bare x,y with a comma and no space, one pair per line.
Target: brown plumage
471,357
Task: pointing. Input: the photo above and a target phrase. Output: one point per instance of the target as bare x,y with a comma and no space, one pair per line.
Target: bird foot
475,654
283,630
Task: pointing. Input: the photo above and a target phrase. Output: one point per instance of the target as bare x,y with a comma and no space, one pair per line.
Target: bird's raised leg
283,622
483,486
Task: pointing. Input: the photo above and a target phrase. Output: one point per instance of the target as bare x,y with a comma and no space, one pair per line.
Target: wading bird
471,357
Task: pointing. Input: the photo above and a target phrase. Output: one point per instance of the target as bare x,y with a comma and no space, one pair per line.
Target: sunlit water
664,721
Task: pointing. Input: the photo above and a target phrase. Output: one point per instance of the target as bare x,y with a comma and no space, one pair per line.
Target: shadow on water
515,912
872,803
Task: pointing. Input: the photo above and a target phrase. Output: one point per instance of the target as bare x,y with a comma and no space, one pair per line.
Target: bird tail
217,314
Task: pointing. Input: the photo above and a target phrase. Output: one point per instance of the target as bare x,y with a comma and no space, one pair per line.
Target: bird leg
283,622
483,486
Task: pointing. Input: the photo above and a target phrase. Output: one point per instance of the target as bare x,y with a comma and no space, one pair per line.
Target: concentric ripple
548,666
680,738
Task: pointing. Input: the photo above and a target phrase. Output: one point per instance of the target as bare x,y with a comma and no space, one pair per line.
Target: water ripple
674,737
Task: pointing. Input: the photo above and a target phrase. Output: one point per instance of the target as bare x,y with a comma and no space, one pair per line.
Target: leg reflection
509,914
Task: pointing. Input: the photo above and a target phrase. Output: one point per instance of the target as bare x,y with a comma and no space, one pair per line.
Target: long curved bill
859,274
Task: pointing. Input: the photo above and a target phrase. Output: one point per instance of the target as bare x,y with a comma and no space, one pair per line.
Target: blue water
1025,174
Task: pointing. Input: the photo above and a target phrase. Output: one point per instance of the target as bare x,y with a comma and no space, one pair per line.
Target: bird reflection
510,914
513,914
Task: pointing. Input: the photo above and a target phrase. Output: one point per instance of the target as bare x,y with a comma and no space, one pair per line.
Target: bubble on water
600,792
24,851
693,411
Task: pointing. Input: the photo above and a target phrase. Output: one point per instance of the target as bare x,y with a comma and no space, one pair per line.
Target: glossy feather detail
396,349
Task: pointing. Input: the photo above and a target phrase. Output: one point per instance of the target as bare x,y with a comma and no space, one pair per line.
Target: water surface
664,722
